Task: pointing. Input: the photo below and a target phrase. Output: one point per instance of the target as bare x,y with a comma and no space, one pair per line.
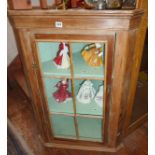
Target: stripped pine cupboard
72,123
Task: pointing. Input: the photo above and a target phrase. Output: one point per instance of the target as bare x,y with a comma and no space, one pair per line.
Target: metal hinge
34,66
109,89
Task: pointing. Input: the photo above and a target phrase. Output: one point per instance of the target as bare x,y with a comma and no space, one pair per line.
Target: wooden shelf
83,70
50,70
47,51
66,108
81,109
91,108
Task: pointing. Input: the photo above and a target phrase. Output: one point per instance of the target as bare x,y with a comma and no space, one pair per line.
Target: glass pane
63,126
89,96
90,128
88,59
54,58
59,97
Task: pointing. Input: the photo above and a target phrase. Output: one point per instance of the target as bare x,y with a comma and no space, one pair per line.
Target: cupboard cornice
77,19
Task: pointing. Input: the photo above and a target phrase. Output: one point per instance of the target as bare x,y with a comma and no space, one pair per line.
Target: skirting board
137,123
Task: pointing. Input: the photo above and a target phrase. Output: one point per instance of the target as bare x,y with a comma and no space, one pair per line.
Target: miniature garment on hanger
62,94
86,92
92,54
62,59
99,97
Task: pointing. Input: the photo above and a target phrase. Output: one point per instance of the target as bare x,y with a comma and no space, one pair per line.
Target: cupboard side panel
143,4
127,84
133,84
118,74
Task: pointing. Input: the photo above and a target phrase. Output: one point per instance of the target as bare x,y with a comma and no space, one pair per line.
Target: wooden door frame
108,38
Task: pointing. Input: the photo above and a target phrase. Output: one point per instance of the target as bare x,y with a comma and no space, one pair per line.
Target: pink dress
62,94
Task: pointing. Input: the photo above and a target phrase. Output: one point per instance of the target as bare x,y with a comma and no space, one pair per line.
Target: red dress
58,58
62,94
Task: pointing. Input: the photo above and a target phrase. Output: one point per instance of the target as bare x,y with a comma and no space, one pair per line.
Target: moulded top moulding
77,19
80,12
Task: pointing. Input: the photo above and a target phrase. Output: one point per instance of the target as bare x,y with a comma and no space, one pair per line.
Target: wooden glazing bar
88,78
61,113
73,93
55,77
89,116
79,115
43,4
67,77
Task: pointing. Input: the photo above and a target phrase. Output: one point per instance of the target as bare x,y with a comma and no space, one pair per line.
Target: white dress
99,97
86,92
65,61
65,58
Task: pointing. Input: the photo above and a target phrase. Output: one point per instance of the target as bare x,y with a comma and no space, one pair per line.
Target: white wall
11,44
37,3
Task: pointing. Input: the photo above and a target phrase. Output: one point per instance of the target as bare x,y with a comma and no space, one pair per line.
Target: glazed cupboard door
74,76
